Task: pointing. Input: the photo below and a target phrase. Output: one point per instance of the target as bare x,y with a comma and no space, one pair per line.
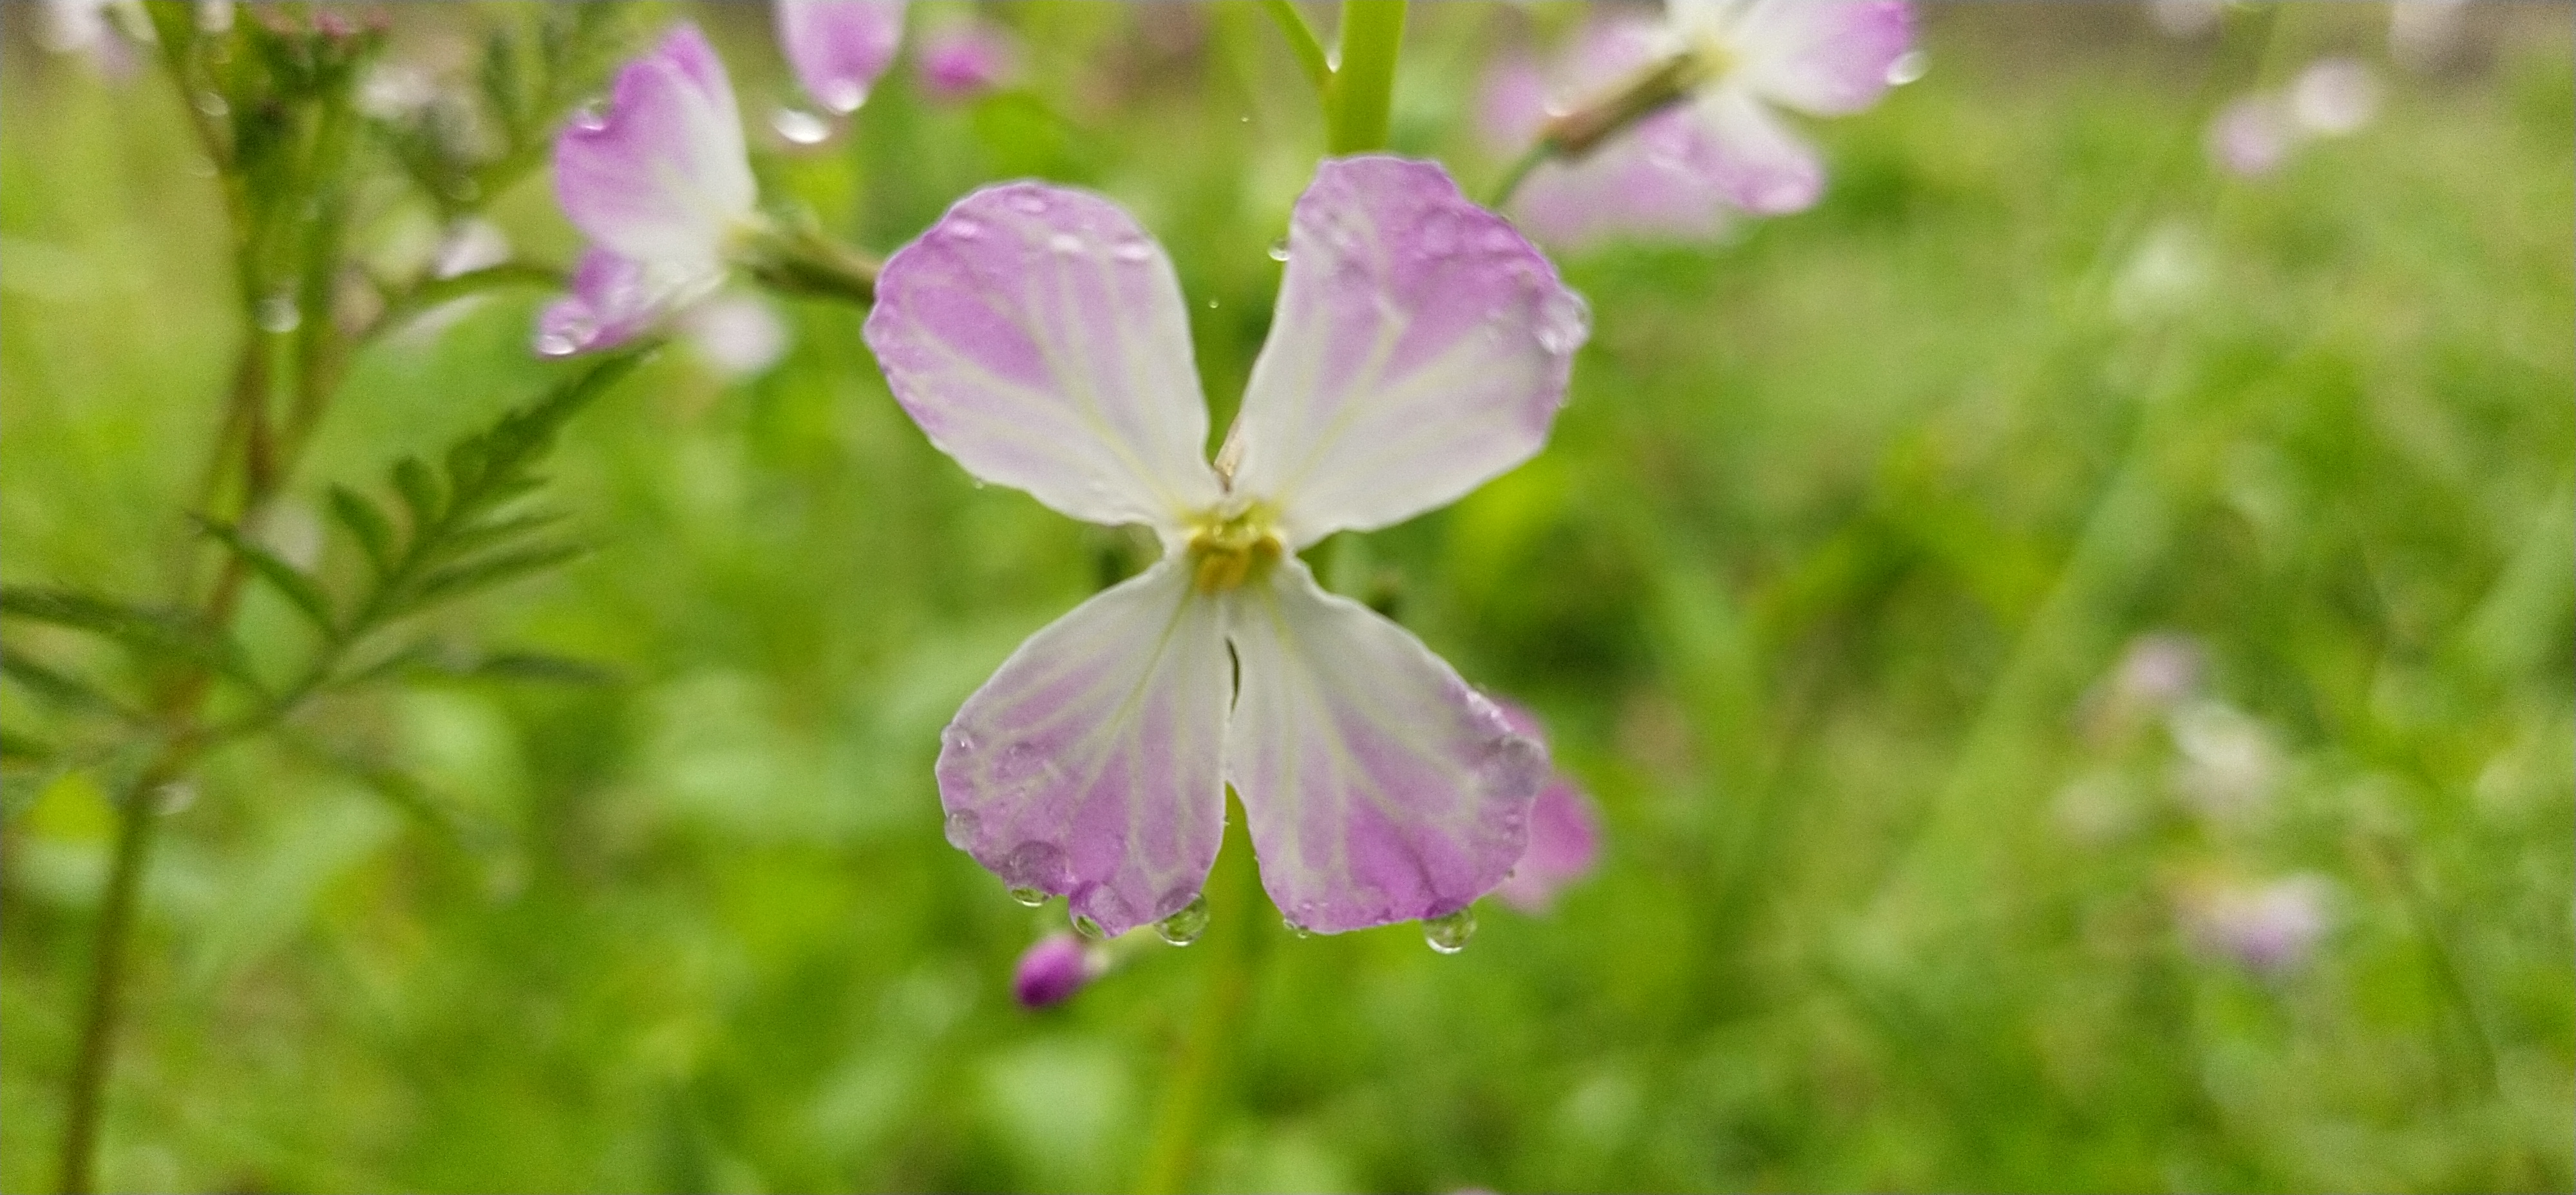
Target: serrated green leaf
482,573
366,525
297,587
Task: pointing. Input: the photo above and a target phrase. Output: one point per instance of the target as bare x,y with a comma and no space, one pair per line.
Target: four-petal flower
1421,346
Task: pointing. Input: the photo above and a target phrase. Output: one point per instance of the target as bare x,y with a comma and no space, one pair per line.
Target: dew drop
1279,249
212,104
1132,251
1908,67
1294,928
844,95
1211,304
964,229
278,313
799,126
1065,243
1030,202
590,118
962,828
1032,897
1184,927
1449,934
556,344
1089,928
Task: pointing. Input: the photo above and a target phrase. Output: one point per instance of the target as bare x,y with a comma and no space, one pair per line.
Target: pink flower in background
1420,347
2251,136
965,59
839,47
658,179
1677,171
2267,928
2254,134
1051,971
1564,834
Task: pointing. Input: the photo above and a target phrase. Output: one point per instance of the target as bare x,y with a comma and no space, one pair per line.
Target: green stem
136,820
1236,931
1518,171
1363,91
1302,42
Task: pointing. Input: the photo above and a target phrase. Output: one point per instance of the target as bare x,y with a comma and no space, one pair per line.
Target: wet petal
1822,58
1657,182
1036,334
1758,164
1378,787
658,174
1089,766
1421,346
616,298
839,47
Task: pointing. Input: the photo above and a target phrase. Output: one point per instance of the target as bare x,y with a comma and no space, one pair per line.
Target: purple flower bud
1051,971
839,47
964,60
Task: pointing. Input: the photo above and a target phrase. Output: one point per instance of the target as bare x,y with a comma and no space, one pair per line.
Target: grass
1819,585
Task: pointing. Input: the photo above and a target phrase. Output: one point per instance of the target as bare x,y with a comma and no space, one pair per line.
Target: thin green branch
1518,171
1303,43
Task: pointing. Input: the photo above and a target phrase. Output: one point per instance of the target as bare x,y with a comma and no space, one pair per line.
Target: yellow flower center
1228,549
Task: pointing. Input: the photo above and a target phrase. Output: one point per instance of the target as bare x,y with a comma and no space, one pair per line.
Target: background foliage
1818,586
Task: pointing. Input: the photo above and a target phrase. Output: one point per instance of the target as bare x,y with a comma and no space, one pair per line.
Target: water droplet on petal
1030,202
1184,927
1133,251
591,117
844,95
1563,324
799,126
556,344
962,828
1908,67
964,229
278,313
1065,243
1449,934
1294,928
1089,928
1279,249
1032,897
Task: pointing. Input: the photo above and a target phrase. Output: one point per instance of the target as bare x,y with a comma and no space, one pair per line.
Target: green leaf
158,636
419,489
367,525
482,573
541,668
494,532
22,748
296,586
59,689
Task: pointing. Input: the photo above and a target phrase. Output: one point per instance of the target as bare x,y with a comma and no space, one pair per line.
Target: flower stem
1236,931
1302,42
1363,92
1519,170
136,820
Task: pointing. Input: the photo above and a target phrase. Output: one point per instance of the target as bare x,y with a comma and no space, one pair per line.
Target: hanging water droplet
1089,928
1032,897
1279,249
591,117
556,344
1294,928
1908,67
799,126
212,104
278,313
1449,934
1211,304
844,95
1184,927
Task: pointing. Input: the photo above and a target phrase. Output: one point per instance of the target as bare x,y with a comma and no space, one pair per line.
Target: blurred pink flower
1420,347
658,179
965,59
1051,971
2267,928
839,47
2251,136
2255,134
1564,833
1676,172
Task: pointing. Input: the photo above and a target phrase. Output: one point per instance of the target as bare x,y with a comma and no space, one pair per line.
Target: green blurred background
1824,586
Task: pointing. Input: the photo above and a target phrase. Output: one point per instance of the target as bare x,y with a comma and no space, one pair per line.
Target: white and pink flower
839,47
1421,346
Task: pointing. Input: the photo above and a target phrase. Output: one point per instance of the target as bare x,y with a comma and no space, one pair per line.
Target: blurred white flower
2228,765
2334,97
2166,276
737,335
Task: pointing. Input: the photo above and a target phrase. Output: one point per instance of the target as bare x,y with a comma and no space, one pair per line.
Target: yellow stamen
1227,550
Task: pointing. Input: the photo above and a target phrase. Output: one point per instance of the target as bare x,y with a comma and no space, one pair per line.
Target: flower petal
659,174
1421,346
839,47
1825,59
613,299
1564,833
1378,787
1758,164
1658,182
1036,334
1089,766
